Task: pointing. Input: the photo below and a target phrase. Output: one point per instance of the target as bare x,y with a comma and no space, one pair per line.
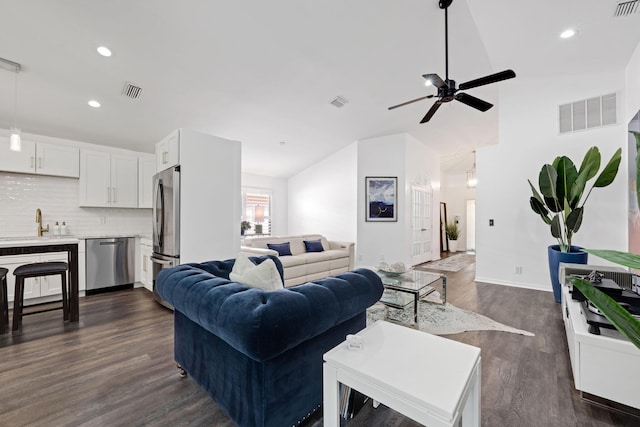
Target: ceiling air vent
132,91
338,102
625,8
588,113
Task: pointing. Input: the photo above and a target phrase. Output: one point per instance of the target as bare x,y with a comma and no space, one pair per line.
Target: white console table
432,380
606,365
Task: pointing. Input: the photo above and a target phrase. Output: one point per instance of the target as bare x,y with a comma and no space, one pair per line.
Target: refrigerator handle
160,261
160,213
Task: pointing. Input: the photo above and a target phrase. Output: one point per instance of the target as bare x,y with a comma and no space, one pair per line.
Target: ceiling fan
447,90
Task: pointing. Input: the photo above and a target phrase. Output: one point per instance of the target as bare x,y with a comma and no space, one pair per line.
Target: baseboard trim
512,284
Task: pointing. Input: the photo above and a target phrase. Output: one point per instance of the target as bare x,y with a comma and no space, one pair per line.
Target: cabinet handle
164,157
144,263
108,195
113,192
40,162
33,162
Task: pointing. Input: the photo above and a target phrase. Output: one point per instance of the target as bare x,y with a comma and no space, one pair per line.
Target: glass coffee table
401,290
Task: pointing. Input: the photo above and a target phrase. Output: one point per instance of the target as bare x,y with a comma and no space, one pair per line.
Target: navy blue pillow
282,248
313,245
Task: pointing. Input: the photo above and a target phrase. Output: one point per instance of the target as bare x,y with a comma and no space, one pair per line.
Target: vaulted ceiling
264,73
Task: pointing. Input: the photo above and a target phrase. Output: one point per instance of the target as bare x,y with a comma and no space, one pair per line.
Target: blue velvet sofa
258,353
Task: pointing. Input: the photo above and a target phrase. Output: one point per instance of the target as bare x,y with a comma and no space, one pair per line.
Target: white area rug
439,319
453,263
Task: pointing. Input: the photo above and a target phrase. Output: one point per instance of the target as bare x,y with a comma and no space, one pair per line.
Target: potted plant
452,231
244,226
560,203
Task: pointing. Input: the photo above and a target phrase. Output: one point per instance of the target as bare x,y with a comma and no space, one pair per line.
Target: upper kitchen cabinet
146,170
168,151
108,179
40,158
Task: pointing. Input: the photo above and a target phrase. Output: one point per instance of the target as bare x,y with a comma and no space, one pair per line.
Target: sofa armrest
263,324
345,246
251,251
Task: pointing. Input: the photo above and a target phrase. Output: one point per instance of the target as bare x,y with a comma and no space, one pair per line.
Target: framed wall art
382,200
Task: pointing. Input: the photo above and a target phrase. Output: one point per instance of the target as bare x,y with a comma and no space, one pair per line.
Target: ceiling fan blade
435,80
431,111
474,102
502,75
410,102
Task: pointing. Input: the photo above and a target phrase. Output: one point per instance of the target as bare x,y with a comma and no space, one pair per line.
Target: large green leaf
618,316
579,185
623,258
556,227
535,192
574,220
610,171
547,181
567,175
591,162
637,135
540,209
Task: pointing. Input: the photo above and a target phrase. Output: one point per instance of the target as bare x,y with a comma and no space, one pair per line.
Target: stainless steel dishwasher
110,264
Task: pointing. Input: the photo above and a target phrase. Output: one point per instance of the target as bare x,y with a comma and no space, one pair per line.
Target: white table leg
330,396
471,409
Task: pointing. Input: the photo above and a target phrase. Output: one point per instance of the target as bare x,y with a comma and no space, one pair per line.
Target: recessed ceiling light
104,51
568,33
93,103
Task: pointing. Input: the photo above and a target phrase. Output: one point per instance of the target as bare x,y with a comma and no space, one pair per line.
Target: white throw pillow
264,276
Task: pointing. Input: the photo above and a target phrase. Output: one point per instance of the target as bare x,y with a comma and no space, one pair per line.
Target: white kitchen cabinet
34,287
40,158
108,179
146,170
168,151
146,266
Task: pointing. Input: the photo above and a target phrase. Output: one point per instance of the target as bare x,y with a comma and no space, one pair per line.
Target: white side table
432,380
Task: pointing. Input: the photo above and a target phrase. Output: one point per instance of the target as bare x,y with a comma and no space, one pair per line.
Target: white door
124,181
58,160
17,161
421,225
471,225
95,173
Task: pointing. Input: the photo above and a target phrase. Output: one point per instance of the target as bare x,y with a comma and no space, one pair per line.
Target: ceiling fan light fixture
93,103
428,82
568,33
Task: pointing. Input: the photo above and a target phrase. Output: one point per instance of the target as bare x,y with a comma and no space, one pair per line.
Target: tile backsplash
57,198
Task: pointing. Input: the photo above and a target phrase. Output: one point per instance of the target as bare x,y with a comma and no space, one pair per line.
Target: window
256,209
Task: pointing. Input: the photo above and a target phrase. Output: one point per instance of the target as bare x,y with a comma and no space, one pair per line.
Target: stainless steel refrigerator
166,224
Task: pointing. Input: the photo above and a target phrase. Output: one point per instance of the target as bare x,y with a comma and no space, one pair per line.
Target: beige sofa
302,266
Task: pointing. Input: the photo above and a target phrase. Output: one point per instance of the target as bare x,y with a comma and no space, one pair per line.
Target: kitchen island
40,245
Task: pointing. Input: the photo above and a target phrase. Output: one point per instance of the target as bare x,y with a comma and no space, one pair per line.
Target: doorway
471,225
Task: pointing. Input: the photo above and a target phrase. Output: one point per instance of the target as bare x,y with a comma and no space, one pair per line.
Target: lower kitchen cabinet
146,266
35,287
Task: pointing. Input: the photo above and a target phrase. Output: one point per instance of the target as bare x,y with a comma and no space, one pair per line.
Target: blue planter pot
576,256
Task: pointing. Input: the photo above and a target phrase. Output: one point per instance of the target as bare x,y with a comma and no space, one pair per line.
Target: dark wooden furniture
4,304
38,248
38,269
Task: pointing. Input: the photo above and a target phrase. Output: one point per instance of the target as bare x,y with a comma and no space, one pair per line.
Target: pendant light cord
15,101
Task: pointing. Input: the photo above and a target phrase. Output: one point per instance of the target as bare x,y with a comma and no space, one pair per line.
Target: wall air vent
587,114
132,91
625,8
338,102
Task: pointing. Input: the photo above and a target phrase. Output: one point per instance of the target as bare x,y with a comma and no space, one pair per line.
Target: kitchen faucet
39,221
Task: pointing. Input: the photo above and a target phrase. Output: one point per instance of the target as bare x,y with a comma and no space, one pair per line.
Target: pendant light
472,180
14,139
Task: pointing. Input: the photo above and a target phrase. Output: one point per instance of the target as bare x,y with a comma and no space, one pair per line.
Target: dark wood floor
115,368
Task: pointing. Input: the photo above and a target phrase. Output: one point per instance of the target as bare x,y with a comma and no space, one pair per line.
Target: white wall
279,201
455,194
323,197
528,138
413,163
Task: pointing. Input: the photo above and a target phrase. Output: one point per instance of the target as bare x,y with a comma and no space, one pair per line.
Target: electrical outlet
518,269
490,223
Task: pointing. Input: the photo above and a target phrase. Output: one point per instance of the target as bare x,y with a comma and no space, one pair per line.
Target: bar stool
4,303
38,269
